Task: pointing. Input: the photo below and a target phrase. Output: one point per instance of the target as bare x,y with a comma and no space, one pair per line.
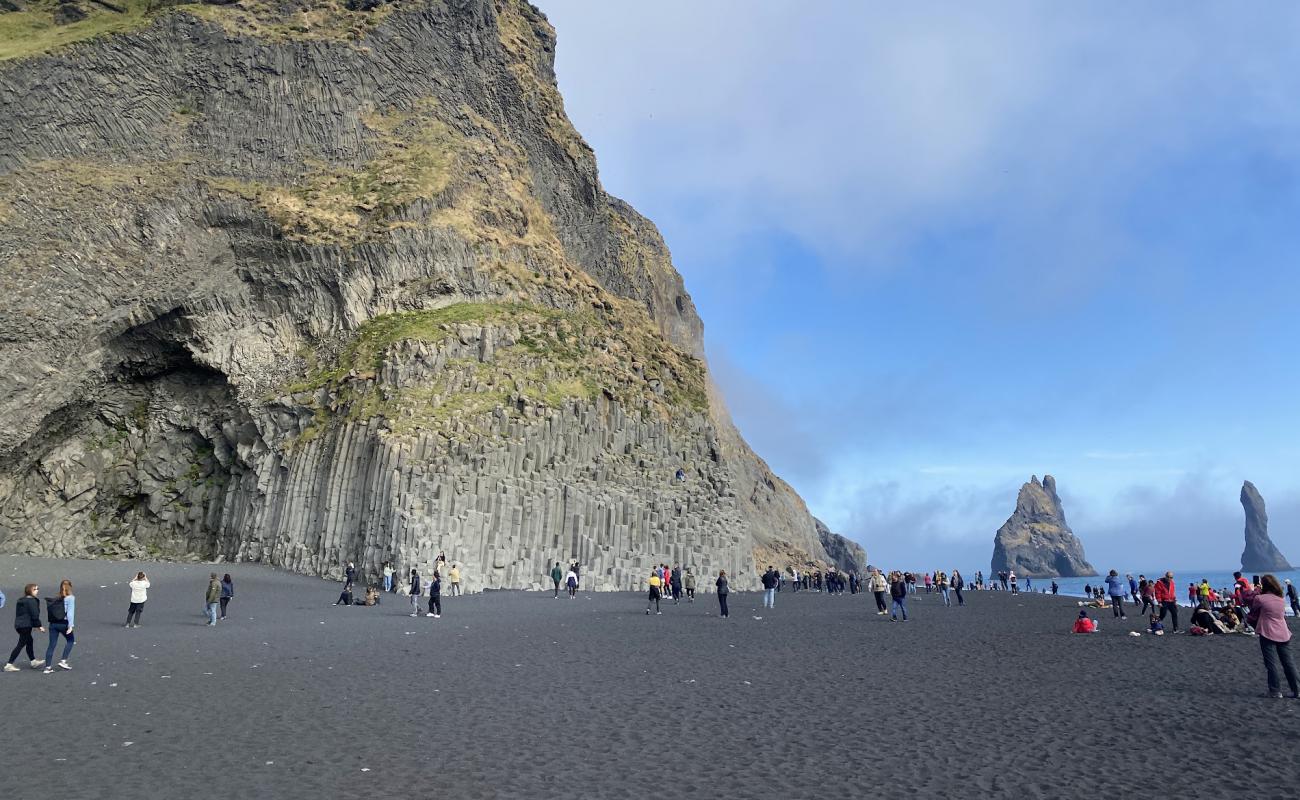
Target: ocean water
1217,578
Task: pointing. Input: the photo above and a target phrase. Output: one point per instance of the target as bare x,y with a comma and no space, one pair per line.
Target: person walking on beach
557,576
957,581
688,581
227,592
1293,598
454,577
139,594
1147,591
898,592
1132,587
1012,577
415,592
27,618
941,583
675,583
1166,594
61,613
878,585
655,583
721,584
388,576
1268,618
1116,586
571,582
212,598
435,596
769,588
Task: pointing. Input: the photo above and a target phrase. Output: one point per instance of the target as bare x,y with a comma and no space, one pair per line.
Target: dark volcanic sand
517,694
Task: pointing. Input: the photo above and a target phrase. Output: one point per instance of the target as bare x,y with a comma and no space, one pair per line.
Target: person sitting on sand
1203,618
372,596
345,596
1157,627
1083,624
1229,619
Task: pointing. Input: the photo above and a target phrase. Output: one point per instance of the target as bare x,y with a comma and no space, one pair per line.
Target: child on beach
1083,624
1157,627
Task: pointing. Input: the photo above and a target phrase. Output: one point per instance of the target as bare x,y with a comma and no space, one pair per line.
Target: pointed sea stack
1036,542
1260,555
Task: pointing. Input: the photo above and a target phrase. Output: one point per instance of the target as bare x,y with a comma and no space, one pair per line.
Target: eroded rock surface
1260,555
1036,541
304,288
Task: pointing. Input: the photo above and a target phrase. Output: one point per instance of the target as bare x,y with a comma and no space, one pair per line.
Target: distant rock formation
1036,542
1260,555
845,554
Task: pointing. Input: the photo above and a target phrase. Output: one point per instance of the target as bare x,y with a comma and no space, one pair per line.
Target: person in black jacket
27,617
721,583
435,596
898,592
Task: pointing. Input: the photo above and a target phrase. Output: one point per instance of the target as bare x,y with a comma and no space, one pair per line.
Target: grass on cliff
32,31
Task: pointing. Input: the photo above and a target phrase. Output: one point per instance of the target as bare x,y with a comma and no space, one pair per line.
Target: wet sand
516,694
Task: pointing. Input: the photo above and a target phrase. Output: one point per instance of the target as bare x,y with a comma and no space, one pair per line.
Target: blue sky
941,247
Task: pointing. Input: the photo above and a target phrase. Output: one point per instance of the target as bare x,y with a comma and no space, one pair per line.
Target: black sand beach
518,694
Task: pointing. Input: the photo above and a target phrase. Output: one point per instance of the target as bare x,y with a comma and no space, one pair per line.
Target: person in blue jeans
212,598
770,579
898,591
61,613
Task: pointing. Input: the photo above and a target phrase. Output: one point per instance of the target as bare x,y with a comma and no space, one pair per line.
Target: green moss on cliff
33,31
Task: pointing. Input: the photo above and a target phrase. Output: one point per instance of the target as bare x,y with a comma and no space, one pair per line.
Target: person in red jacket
1166,593
1083,624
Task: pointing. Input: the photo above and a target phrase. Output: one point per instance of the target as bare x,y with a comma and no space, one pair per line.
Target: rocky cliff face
1035,541
844,554
1260,555
309,282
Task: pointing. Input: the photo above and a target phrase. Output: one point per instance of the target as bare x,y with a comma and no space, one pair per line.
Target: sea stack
1036,542
1260,555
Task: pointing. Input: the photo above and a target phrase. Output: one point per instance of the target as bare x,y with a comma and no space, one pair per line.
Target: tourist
372,596
228,592
1228,617
139,594
769,588
27,618
688,581
61,618
350,574
878,585
571,582
675,583
1157,628
1146,590
941,584
1203,618
345,596
656,581
1203,591
454,577
1166,594
212,598
435,595
1242,593
1117,587
388,576
1292,597
414,592
898,592
1011,576
1193,594
928,583
557,577
957,581
1132,587
721,584
1268,618
1055,588
1083,624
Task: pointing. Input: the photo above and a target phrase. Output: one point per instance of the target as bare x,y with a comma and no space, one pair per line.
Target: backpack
55,610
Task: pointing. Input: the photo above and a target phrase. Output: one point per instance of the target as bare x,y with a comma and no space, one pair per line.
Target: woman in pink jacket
1268,618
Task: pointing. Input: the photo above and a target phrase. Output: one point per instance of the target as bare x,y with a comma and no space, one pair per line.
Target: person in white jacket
139,594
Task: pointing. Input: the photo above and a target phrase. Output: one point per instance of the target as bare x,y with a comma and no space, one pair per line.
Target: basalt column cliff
308,282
